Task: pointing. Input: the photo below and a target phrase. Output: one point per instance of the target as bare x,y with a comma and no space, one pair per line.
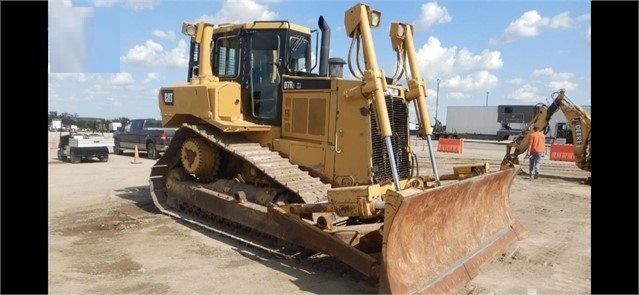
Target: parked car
147,134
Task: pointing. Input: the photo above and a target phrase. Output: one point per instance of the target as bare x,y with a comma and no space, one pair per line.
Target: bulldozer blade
435,241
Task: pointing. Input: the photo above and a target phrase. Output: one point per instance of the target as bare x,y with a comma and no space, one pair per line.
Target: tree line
68,119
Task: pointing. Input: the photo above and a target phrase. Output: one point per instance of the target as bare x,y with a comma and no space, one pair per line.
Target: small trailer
75,147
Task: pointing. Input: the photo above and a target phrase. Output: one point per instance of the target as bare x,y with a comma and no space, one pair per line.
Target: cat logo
167,95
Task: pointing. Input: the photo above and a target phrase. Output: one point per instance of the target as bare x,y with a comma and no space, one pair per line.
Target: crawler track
282,173
270,163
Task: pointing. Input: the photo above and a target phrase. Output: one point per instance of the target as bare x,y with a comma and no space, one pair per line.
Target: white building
113,126
56,124
483,120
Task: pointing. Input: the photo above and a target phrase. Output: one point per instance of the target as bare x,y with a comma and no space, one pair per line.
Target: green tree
68,119
52,115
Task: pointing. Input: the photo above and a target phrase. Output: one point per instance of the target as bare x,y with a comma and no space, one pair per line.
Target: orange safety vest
537,142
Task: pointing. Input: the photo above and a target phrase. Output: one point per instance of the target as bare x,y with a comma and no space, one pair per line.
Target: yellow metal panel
263,25
189,100
317,116
305,154
308,155
305,115
352,137
299,115
283,146
225,100
216,103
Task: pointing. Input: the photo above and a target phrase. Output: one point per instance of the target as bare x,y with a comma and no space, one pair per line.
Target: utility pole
437,101
487,98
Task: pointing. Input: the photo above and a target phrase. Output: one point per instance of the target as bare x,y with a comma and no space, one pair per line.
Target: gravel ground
106,237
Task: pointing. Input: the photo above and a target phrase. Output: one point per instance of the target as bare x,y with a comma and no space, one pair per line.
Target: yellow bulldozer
323,162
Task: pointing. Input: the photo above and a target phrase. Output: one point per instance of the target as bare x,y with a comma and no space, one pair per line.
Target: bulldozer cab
268,52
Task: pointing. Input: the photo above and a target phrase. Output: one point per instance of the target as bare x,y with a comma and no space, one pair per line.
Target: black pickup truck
147,134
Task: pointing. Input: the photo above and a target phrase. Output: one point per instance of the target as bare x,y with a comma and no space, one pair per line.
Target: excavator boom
578,121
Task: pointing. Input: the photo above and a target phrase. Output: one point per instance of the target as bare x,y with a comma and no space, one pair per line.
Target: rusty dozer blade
435,241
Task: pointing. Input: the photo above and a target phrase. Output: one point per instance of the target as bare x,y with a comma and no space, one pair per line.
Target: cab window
265,76
299,55
225,57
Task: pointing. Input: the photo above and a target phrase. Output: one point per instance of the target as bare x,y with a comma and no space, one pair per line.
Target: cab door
265,78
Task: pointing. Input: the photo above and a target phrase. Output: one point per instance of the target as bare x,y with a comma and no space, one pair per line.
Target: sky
109,58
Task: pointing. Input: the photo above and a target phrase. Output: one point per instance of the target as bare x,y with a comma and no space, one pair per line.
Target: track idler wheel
200,158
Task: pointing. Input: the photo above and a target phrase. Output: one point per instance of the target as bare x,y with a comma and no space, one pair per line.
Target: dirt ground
106,237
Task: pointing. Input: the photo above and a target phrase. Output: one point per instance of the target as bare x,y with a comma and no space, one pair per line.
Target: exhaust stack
326,42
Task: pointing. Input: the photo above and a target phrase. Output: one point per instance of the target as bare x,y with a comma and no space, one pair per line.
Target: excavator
578,121
311,159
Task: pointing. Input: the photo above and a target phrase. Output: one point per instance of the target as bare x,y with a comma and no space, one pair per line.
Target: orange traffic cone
136,156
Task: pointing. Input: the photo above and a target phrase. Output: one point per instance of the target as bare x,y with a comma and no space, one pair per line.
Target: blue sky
108,58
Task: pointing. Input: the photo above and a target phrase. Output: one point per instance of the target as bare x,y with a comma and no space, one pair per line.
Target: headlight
374,18
400,31
188,29
391,92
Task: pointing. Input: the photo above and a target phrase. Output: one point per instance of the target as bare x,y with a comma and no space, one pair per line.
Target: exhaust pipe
326,42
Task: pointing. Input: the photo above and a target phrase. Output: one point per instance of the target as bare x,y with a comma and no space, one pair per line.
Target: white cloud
463,74
434,60
547,81
104,3
140,4
166,35
151,77
67,50
97,89
542,72
551,74
114,102
237,11
531,24
561,21
488,60
153,54
455,95
53,97
476,81
588,36
143,53
565,84
527,25
515,81
79,77
432,13
583,17
557,80
120,79
526,93
136,5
